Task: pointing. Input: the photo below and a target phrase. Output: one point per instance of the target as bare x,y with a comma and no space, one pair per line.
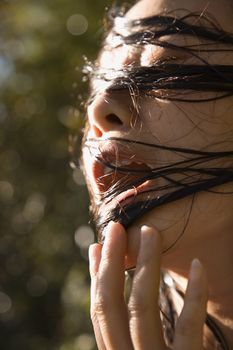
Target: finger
110,306
189,329
94,261
145,324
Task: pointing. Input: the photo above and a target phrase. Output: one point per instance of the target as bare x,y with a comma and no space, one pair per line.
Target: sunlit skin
208,236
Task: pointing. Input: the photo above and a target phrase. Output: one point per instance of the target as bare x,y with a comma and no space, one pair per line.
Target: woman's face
206,126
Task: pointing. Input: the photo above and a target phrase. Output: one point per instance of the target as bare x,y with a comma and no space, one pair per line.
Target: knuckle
137,306
102,305
93,316
106,300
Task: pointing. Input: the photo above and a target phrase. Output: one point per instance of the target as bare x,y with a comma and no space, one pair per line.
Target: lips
115,173
108,176
122,180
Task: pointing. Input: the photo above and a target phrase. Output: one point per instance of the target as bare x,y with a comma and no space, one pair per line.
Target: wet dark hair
195,170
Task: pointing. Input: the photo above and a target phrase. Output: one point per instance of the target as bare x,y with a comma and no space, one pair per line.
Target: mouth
126,182
121,181
123,177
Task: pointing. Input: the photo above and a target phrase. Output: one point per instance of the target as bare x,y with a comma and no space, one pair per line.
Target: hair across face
174,66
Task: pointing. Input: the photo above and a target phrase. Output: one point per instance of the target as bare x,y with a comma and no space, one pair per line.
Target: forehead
221,10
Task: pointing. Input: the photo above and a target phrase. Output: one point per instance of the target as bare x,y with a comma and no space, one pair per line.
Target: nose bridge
110,112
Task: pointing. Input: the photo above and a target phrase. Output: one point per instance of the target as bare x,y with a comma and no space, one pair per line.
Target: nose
109,112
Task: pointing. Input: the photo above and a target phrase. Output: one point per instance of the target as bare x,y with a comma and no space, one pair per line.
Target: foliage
44,283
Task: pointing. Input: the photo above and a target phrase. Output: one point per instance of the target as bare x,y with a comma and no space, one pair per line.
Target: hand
119,326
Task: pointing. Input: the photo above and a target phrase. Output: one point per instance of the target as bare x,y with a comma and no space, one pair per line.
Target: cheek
167,121
170,221
185,125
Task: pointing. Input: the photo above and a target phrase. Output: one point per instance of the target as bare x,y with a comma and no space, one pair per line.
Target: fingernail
148,228
149,231
196,269
148,235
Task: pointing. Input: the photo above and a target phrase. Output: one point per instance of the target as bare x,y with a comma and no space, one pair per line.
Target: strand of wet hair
186,165
176,76
205,78
162,25
195,178
142,38
130,213
169,81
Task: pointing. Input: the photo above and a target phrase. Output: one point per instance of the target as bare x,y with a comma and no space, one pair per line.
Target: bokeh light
78,177
3,112
6,68
37,286
85,342
5,303
77,24
34,208
6,191
84,236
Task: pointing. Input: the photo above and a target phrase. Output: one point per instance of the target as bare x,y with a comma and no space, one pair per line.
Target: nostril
113,119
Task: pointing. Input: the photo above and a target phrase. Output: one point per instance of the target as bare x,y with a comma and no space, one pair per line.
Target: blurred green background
44,229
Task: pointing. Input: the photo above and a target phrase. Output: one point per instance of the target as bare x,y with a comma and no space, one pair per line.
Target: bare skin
137,325
208,235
